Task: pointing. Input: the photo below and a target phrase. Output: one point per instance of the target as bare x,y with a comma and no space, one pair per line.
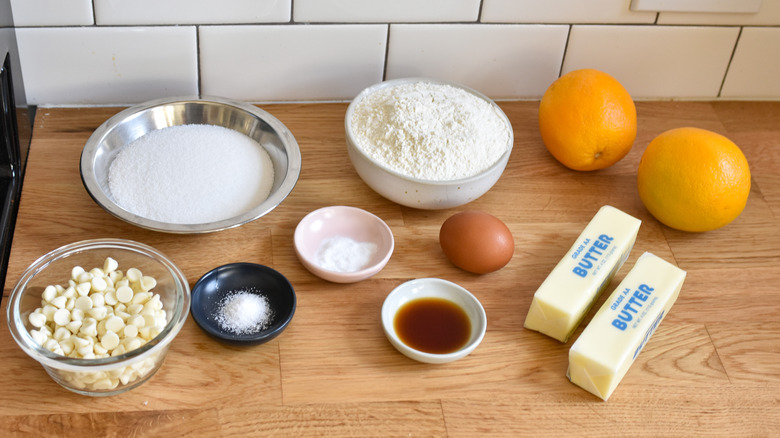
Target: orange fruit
587,120
693,179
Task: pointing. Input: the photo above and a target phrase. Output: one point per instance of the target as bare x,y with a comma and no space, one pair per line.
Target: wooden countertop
712,368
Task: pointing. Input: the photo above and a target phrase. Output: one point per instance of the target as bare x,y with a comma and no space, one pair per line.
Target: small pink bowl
360,226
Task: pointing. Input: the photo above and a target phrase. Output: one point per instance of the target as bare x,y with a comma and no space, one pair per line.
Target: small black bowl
215,285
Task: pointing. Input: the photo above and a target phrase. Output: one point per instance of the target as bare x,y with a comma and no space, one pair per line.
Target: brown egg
476,242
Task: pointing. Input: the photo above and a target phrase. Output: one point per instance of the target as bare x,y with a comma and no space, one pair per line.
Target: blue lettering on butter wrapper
649,333
590,257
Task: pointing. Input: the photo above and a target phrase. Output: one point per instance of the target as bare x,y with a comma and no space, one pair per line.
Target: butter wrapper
613,339
568,293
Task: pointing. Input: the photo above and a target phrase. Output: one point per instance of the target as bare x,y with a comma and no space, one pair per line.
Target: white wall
104,52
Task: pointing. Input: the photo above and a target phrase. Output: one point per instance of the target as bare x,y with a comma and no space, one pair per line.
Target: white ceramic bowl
434,288
414,192
360,226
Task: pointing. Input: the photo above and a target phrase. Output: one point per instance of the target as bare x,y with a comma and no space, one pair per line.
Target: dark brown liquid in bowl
432,325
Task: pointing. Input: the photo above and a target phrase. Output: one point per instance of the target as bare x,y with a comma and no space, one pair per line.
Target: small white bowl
415,192
343,221
434,288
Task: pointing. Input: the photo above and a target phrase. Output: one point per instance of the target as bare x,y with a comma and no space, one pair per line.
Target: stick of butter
566,295
613,339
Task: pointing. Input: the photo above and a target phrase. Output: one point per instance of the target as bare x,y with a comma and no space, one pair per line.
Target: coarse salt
243,312
191,174
430,131
342,254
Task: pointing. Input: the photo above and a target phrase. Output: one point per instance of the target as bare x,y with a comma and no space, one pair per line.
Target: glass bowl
100,376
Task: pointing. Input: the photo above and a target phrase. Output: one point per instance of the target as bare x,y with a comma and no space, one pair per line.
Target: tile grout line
387,52
198,63
565,49
731,60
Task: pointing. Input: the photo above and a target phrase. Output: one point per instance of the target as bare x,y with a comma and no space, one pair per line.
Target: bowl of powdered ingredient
343,244
426,143
243,303
190,165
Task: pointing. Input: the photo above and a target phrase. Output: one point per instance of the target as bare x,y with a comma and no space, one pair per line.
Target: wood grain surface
712,368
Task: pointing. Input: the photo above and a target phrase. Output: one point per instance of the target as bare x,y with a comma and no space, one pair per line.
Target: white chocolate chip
96,272
59,302
134,275
84,288
110,297
137,320
84,277
37,319
74,326
61,334
124,294
76,271
77,314
39,337
49,310
49,293
61,317
141,297
148,283
115,324
130,331
79,341
110,340
99,284
84,303
98,300
110,265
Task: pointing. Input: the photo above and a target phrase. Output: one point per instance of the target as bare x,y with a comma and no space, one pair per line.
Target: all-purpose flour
191,174
430,131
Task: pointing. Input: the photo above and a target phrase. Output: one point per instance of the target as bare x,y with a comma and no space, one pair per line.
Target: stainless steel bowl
137,121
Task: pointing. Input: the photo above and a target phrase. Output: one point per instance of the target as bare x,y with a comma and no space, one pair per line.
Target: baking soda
430,131
191,174
342,254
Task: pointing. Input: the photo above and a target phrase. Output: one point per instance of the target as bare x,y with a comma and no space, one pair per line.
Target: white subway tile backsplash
501,61
147,12
384,11
6,15
52,12
96,66
563,11
284,63
655,61
768,14
310,50
755,68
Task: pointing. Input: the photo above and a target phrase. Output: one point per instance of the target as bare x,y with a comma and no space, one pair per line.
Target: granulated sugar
430,131
191,174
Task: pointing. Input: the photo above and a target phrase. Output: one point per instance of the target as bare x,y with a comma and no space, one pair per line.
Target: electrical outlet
727,6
